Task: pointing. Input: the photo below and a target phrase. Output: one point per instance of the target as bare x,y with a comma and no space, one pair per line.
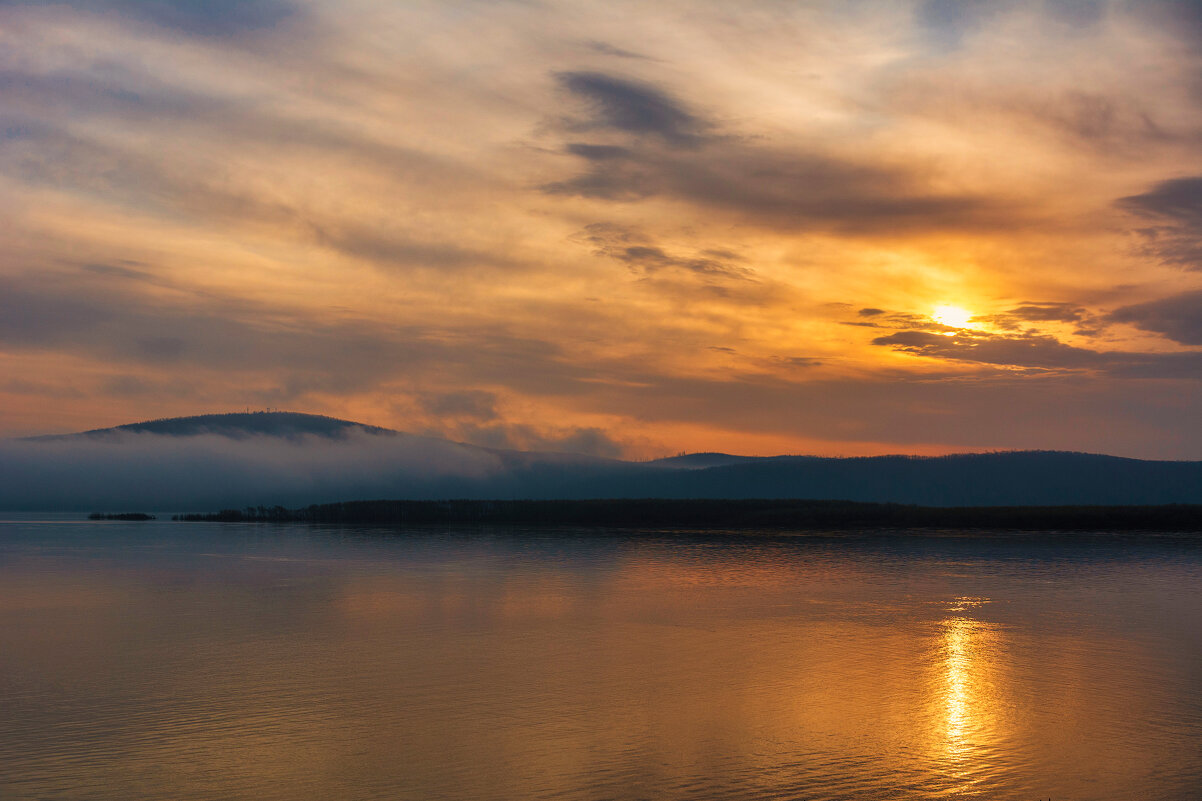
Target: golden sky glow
622,228
953,316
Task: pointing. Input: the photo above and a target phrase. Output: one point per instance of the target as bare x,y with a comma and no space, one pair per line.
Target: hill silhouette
291,459
236,425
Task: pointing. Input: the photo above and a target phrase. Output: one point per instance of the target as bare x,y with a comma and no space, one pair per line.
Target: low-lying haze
232,461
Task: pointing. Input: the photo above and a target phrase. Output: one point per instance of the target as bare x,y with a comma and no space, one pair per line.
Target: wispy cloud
591,224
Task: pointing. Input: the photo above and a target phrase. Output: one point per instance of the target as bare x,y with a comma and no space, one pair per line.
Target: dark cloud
1048,312
883,318
651,259
1175,246
777,189
1178,317
206,18
639,253
1175,204
1178,199
383,247
800,361
1042,353
1044,312
665,150
598,152
469,404
1024,351
634,108
1019,318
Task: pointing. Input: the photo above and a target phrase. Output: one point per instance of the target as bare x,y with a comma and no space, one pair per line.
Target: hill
293,460
235,426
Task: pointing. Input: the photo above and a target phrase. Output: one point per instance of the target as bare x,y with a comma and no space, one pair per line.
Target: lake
234,661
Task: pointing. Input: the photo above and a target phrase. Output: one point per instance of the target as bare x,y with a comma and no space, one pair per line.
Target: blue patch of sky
194,17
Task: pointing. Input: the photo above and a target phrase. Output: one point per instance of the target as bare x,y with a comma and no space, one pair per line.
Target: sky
620,228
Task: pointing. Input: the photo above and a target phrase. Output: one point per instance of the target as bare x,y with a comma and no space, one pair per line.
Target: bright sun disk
954,316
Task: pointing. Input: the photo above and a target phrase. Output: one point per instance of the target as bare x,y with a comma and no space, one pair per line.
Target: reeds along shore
725,514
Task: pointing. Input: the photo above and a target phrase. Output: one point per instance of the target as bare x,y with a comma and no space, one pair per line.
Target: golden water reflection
480,668
967,692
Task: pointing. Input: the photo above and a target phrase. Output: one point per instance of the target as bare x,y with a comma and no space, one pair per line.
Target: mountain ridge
239,425
231,424
293,459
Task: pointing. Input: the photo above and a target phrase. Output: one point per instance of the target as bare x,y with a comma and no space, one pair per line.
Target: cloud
1062,410
175,186
667,151
1047,312
633,107
778,189
209,471
1179,19
1026,317
206,472
1086,323
586,440
230,202
469,404
123,324
638,252
1178,199
1041,352
1025,351
1178,317
883,318
206,18
609,50
1177,205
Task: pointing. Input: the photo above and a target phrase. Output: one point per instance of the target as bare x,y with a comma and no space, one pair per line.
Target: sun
954,316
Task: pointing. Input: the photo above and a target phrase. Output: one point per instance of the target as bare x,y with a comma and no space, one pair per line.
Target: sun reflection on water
966,692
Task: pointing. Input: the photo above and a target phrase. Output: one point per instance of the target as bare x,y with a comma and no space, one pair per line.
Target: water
218,661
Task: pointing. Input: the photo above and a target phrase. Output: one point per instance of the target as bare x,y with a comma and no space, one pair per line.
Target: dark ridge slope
711,514
1025,478
698,461
313,459
237,425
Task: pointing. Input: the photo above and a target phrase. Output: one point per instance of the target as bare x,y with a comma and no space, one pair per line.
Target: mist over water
219,661
323,460
212,471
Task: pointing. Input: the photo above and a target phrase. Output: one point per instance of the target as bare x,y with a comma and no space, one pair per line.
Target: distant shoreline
747,514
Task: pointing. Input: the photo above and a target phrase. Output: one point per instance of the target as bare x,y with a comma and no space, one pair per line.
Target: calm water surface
224,661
